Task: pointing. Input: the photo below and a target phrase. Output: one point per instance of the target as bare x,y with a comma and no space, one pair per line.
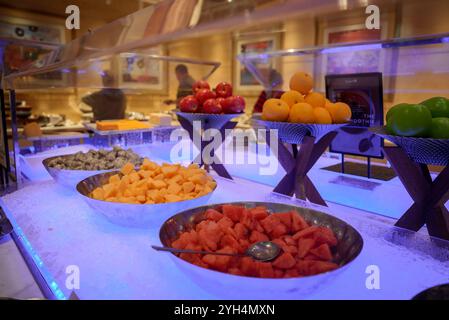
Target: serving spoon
261,251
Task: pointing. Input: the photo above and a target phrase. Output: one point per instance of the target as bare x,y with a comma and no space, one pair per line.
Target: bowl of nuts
146,196
68,170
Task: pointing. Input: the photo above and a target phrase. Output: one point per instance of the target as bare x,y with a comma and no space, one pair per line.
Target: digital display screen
364,94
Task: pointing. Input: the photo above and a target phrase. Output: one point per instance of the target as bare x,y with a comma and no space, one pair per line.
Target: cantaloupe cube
127,168
144,174
174,188
160,176
188,187
98,194
169,171
134,177
109,190
198,179
114,179
159,184
172,198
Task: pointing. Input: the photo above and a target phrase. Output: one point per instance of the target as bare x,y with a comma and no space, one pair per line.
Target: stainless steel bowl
69,178
133,215
350,244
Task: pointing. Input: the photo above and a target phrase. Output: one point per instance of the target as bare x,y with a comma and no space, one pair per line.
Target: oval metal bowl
350,244
132,215
69,178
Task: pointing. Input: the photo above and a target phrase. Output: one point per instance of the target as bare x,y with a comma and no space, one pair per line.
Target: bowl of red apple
219,100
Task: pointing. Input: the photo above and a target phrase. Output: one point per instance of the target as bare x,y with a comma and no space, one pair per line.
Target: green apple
438,106
411,121
395,108
440,128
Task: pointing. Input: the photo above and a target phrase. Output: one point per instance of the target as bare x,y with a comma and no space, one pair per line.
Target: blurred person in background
109,103
186,82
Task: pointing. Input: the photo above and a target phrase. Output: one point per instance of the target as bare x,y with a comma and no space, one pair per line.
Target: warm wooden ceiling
105,10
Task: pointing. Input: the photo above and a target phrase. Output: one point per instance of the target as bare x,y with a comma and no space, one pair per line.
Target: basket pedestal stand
296,181
429,196
222,123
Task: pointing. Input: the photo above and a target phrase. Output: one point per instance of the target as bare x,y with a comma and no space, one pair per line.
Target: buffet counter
118,263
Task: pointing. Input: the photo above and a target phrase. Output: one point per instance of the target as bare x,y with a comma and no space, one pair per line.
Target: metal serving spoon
261,251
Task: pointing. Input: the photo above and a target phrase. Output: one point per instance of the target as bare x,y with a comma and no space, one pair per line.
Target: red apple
204,94
223,90
220,101
189,104
234,104
212,106
200,84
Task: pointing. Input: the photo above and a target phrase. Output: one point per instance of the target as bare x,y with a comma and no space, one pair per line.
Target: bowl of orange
301,111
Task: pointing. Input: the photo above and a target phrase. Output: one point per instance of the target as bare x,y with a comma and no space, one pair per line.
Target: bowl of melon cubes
315,248
145,196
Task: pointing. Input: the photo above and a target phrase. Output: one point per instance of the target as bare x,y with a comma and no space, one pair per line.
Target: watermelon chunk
235,271
229,241
285,218
258,213
235,213
291,273
265,270
325,235
257,236
298,222
248,267
225,223
284,261
212,214
304,246
278,273
279,230
270,222
308,232
323,252
241,231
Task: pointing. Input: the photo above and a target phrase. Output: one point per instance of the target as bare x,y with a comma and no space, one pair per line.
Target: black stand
429,196
223,128
297,165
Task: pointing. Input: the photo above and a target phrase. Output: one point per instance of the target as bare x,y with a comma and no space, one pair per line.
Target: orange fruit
301,82
275,110
301,113
292,97
328,103
322,116
340,112
316,100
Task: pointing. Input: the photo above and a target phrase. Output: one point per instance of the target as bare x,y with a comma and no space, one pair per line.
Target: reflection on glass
109,103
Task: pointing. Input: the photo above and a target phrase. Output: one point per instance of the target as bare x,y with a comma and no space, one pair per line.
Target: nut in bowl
145,197
316,247
68,170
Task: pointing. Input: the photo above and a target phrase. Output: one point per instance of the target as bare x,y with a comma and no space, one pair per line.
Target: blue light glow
36,258
376,46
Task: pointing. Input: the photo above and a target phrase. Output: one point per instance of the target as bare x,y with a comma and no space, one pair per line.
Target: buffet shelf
118,263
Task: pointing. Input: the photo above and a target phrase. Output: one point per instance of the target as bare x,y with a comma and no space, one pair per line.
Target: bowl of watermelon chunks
316,247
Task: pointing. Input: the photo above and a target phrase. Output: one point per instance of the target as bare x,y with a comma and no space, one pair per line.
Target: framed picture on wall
19,54
359,59
243,78
141,71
